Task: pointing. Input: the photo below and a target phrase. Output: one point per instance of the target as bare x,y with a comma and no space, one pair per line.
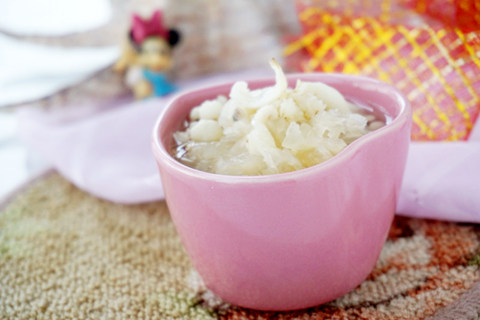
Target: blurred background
58,54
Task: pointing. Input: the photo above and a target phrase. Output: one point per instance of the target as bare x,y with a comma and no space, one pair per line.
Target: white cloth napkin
31,71
18,165
52,17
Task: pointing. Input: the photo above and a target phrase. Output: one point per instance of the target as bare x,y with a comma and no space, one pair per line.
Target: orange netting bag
430,50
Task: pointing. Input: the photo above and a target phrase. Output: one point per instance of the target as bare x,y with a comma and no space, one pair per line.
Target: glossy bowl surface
297,239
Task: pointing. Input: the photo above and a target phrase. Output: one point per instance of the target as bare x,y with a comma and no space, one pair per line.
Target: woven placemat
67,255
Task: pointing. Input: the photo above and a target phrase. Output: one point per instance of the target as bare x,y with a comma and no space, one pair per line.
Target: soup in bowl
293,239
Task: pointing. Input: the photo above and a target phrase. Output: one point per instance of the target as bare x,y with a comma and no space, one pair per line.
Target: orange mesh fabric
437,68
464,14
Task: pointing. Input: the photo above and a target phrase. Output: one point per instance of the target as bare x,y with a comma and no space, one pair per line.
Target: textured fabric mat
67,255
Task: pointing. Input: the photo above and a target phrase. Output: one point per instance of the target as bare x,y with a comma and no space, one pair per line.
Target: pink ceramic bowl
291,240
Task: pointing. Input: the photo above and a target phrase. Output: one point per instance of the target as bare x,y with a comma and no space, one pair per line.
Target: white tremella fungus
271,130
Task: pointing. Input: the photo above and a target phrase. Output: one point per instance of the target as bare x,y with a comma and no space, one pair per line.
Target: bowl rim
161,154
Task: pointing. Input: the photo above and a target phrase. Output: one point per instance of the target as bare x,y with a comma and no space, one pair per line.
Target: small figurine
146,57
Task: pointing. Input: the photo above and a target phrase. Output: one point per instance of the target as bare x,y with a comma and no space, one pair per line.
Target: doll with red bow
146,57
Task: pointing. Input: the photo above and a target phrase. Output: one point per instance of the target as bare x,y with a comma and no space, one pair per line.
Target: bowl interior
368,92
